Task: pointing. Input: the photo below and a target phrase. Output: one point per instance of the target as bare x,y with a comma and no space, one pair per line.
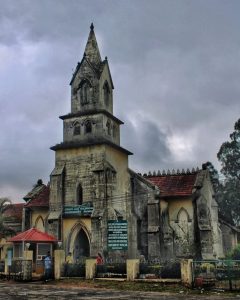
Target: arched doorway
81,246
78,242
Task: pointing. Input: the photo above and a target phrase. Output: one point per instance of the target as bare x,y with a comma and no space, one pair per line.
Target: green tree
229,196
234,253
4,229
219,192
213,174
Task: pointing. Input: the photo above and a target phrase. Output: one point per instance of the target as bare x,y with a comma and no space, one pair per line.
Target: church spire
91,51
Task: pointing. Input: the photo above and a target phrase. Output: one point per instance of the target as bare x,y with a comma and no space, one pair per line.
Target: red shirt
99,260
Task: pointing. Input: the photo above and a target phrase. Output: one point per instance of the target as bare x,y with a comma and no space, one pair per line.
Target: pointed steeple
91,51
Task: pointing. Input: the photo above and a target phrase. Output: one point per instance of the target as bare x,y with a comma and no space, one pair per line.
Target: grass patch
138,286
121,285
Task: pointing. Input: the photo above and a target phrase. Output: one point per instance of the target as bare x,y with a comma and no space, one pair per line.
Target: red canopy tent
33,239
36,241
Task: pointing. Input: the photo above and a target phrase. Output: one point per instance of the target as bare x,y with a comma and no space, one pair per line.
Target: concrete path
24,291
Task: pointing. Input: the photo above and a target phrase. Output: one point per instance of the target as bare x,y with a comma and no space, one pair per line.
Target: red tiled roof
33,235
41,199
174,185
14,211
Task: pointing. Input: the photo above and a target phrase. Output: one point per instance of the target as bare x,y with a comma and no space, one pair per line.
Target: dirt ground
98,290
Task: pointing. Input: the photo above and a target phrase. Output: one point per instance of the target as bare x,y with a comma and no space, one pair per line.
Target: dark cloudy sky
175,66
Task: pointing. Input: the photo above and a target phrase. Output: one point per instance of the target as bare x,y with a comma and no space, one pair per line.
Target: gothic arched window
39,224
79,194
76,129
183,216
183,219
106,93
88,127
85,91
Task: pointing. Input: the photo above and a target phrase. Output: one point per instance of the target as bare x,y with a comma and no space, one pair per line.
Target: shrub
235,253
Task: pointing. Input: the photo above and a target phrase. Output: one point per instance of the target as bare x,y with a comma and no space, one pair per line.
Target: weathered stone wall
217,232
106,77
103,174
79,165
208,231
207,216
99,123
181,221
208,192
145,232
229,238
87,73
87,166
96,100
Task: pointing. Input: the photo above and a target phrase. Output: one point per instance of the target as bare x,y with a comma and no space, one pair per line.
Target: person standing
99,259
47,267
67,267
69,258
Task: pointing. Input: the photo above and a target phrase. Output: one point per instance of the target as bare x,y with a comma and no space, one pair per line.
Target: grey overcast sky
175,66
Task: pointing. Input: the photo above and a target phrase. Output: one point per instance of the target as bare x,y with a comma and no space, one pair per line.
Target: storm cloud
175,67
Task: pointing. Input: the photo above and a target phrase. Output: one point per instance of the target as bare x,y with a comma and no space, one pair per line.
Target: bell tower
91,168
91,118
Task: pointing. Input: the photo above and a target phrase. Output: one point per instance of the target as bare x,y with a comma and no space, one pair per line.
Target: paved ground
23,291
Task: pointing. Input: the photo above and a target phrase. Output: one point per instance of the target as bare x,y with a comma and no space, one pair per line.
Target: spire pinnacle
91,50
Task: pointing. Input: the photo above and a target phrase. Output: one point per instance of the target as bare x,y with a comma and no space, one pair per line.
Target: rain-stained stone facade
188,213
91,167
168,216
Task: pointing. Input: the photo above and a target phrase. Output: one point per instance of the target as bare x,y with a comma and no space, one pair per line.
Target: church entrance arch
81,246
79,242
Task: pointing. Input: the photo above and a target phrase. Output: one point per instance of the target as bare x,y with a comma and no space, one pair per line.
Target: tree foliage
229,190
229,155
234,253
223,203
4,229
213,174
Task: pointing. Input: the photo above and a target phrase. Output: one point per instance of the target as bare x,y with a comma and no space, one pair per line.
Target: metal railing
156,269
74,269
112,270
216,273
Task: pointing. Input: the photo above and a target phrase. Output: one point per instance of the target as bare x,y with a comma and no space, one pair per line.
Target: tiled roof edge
171,173
140,177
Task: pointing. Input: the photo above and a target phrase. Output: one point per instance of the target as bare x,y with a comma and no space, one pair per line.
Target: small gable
41,199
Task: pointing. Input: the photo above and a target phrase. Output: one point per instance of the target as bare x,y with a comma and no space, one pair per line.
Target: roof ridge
170,172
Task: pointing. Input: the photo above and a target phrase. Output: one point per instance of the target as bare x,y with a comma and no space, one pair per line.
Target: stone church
97,204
